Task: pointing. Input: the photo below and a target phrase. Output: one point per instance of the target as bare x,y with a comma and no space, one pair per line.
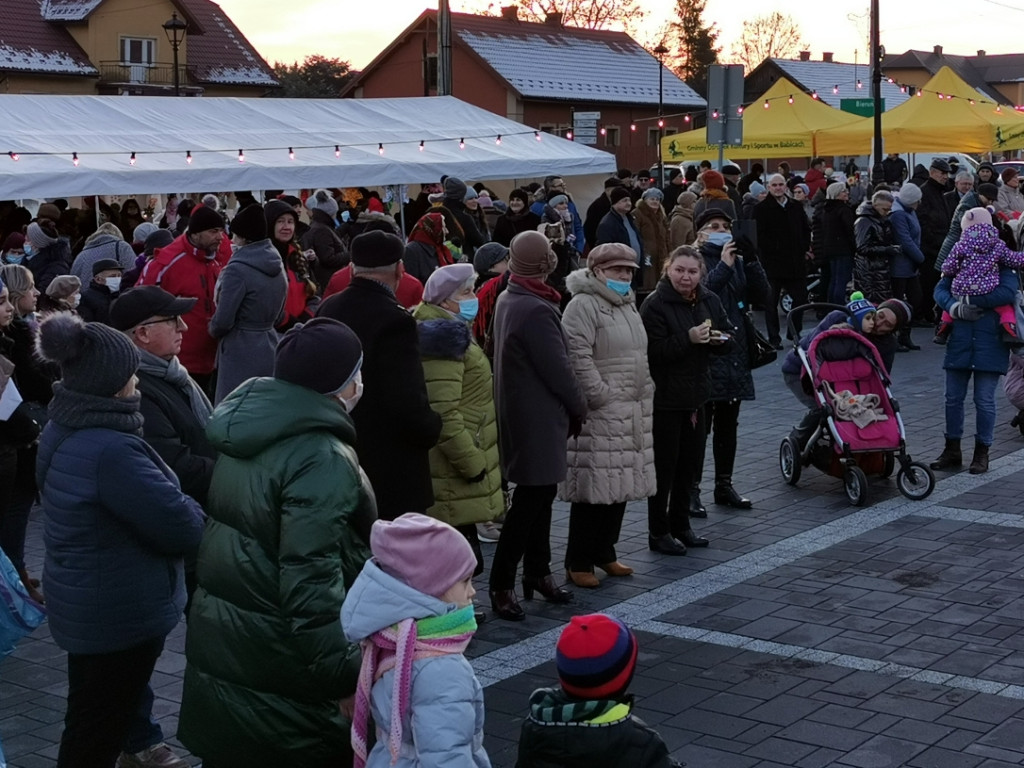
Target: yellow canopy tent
962,120
781,130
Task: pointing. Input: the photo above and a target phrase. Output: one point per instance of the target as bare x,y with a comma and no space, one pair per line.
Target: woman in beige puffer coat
612,460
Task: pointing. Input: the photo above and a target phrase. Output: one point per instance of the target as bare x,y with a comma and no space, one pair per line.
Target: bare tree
590,14
776,35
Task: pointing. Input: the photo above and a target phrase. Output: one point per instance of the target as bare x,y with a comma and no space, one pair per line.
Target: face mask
719,238
345,216
468,309
112,283
350,403
73,301
618,286
14,258
28,248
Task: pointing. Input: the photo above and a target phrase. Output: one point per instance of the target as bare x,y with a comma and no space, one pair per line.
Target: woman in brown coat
680,222
652,224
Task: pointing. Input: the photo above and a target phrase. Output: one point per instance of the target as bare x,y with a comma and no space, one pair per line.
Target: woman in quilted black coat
876,248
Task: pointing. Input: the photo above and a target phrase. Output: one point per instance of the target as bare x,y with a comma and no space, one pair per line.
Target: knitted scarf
78,410
397,647
429,231
173,372
551,706
537,286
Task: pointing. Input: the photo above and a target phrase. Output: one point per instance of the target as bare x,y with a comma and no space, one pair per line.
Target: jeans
593,533
678,461
105,691
984,404
526,536
797,289
842,274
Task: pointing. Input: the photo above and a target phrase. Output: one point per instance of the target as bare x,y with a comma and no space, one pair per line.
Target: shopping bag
19,613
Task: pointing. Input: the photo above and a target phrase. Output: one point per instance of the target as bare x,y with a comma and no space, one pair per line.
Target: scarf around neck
79,410
552,707
396,648
174,373
536,286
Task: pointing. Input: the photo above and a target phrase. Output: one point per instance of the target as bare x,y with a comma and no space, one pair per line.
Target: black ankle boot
951,457
726,495
696,508
979,462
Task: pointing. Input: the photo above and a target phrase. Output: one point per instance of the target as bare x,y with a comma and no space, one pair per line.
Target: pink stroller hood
848,361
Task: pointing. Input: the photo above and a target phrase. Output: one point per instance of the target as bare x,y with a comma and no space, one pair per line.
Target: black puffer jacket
837,238
875,251
934,218
681,370
736,287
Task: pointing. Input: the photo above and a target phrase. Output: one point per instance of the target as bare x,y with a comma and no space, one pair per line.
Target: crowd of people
311,410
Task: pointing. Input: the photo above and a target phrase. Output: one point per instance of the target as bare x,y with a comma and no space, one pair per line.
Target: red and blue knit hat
595,657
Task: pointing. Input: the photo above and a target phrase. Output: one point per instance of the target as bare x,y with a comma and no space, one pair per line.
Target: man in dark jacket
395,425
756,172
731,174
597,209
894,169
617,226
101,292
934,218
784,238
554,186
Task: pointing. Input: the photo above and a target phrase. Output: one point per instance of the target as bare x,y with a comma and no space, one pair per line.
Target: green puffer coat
290,513
460,388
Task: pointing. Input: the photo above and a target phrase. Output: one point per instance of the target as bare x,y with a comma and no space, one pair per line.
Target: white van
966,162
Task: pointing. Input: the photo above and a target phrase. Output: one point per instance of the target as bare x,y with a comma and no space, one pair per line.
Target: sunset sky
357,30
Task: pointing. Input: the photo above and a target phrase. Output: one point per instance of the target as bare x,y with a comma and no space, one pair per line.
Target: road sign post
725,106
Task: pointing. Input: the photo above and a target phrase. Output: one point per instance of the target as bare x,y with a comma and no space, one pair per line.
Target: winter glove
575,426
963,311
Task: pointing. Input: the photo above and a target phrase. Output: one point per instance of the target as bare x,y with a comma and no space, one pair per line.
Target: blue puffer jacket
978,346
907,231
445,722
117,527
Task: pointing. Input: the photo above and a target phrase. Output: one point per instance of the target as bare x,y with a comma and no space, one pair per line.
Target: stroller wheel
789,461
888,466
915,481
856,485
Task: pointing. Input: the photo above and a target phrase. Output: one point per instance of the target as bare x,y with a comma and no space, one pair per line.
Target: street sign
584,127
862,107
595,116
725,98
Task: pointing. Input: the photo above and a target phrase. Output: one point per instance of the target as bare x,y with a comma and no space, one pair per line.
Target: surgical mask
345,216
468,309
620,287
350,403
74,300
719,238
14,258
112,283
28,248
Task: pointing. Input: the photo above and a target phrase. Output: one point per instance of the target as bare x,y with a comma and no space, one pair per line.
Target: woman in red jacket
301,302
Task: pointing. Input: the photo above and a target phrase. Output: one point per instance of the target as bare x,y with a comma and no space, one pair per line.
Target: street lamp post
175,29
660,52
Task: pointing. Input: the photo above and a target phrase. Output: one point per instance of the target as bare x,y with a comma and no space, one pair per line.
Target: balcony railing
158,74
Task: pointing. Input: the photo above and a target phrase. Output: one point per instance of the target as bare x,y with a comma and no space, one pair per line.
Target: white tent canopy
45,131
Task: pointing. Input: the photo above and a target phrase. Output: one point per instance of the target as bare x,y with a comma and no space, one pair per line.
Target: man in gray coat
539,404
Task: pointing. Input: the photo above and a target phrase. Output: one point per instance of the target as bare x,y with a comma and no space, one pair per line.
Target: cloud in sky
357,30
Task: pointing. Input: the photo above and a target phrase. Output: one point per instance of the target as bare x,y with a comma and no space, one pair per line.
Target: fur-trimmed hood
444,338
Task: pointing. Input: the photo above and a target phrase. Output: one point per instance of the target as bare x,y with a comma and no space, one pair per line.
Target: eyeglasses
175,321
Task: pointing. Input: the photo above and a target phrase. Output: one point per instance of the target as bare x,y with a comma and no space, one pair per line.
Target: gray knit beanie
94,359
454,189
321,200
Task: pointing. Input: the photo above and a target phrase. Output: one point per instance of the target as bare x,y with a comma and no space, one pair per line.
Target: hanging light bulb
860,84
903,89
422,145
568,135
462,143
74,159
714,115
835,89
790,98
941,97
498,140
604,132
131,160
971,102
188,156
814,94
14,156
241,156
337,150
919,93
739,110
686,118
632,126
380,148
766,104
891,81
536,135
998,108
661,123
291,153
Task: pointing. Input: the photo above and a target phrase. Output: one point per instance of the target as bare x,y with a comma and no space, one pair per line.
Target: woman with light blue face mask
464,462
738,279
611,462
13,250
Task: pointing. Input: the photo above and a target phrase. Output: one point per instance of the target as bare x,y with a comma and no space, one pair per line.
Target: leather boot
979,462
725,494
585,579
950,457
696,508
616,569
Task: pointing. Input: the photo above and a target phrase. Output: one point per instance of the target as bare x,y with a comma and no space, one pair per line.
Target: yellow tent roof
781,130
927,123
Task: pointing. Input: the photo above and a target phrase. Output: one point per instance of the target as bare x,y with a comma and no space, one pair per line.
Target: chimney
805,55
981,54
937,50
554,19
826,56
510,12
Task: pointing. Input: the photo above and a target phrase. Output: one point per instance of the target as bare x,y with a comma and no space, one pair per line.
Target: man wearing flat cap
934,218
395,426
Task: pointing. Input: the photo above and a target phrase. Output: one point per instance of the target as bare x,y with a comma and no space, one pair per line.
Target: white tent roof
44,131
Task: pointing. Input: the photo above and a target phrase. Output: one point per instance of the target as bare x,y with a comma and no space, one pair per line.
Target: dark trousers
144,731
469,534
526,536
909,289
796,287
722,419
17,499
678,458
929,277
104,694
593,533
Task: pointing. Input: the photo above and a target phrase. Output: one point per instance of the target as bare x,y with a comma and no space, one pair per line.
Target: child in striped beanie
589,716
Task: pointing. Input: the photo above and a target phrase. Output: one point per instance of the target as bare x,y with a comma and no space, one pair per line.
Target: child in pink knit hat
411,610
974,266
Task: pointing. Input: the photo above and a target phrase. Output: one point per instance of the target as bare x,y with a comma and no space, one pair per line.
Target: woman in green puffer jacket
290,515
464,463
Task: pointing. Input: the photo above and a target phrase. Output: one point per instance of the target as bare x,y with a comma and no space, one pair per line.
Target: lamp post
175,29
660,52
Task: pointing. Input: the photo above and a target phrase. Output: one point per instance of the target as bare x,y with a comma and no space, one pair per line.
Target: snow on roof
824,76
222,54
33,60
29,43
553,62
68,10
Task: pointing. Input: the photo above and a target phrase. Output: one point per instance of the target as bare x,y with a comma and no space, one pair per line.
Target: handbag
759,351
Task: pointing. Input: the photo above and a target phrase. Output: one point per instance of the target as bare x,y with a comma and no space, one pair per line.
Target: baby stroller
860,431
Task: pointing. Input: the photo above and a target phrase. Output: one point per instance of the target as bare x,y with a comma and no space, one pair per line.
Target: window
611,135
138,50
653,136
669,131
431,73
548,128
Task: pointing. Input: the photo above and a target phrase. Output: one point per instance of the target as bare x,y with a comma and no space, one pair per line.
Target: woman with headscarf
302,299
680,222
518,218
426,249
131,215
714,195
838,244
653,224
